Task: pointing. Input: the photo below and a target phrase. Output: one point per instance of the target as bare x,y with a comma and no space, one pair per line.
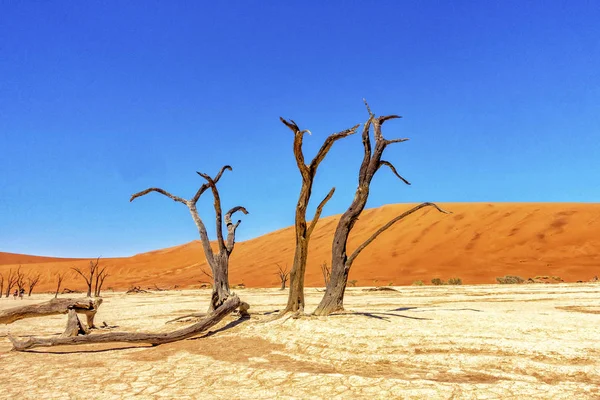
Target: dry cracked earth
464,342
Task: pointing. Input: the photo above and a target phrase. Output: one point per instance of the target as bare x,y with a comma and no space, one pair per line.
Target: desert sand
447,342
477,243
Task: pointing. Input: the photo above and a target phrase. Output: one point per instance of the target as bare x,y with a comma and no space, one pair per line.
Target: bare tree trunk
220,289
74,326
303,232
52,307
333,299
212,319
1,284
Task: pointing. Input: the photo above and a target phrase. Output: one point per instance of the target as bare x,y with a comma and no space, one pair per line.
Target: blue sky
99,100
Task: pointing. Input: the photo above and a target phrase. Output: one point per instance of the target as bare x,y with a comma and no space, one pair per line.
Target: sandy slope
469,342
477,242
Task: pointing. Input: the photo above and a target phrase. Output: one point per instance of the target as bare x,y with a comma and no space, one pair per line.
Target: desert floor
481,342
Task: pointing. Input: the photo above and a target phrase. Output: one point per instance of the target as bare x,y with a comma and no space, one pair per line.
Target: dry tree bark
52,307
31,282
333,300
232,302
303,231
89,275
219,261
74,326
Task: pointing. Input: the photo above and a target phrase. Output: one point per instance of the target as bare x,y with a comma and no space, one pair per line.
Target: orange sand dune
477,242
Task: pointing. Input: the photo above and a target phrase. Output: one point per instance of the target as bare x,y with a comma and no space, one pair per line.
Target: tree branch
158,190
318,211
206,185
331,139
389,164
298,137
386,226
218,211
231,228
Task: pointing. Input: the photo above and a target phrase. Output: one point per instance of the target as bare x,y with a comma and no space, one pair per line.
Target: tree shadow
382,316
415,309
230,325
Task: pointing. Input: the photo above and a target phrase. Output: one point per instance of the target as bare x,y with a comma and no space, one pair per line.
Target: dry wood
219,262
52,307
333,300
74,326
302,231
212,319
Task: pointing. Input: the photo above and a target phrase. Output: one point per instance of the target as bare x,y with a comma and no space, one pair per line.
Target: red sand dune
477,242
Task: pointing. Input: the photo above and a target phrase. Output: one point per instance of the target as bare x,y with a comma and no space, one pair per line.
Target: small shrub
353,282
391,284
418,283
509,279
454,281
437,282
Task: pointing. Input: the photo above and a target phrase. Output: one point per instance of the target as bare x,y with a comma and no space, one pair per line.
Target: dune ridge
477,242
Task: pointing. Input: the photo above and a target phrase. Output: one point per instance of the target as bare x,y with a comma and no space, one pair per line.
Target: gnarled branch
158,190
212,319
331,139
206,185
386,226
318,211
52,307
389,164
218,210
231,228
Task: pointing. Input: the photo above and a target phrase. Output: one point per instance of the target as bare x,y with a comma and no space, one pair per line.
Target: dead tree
326,273
89,275
20,279
232,302
31,282
52,307
100,277
283,275
219,261
59,279
333,300
1,284
303,231
11,280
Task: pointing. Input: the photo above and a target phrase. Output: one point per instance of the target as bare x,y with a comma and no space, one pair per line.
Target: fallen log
154,339
85,306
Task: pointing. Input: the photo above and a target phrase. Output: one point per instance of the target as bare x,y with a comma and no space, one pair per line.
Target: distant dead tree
88,275
333,300
20,279
31,282
326,273
1,284
219,262
11,280
283,275
100,277
302,230
59,279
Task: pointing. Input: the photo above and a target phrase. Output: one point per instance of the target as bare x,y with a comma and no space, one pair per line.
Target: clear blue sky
99,100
